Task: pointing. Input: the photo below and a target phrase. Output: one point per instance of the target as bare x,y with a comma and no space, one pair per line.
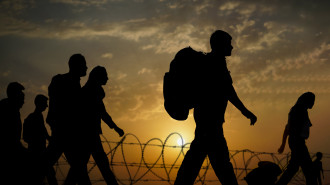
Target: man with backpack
212,90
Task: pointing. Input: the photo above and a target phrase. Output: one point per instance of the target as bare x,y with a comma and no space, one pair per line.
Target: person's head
14,90
15,93
77,65
306,100
41,102
220,42
319,155
98,75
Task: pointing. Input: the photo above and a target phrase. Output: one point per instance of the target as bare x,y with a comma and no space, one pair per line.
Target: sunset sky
281,50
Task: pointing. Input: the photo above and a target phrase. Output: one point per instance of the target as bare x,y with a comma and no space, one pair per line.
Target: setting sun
180,142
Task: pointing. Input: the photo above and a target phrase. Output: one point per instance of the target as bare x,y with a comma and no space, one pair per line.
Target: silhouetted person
63,117
297,129
13,154
35,135
94,111
215,90
317,168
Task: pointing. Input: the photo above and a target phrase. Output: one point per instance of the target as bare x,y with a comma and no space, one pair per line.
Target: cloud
182,36
174,5
162,30
291,75
139,102
273,34
202,8
81,2
15,7
144,71
229,6
269,44
145,108
34,89
65,29
117,90
158,87
310,58
6,73
247,10
121,75
241,27
107,55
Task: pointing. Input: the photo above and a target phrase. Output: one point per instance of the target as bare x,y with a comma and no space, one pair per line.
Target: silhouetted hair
305,99
319,155
39,99
75,60
96,74
14,88
219,36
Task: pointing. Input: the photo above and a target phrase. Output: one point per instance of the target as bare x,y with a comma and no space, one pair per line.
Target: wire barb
168,160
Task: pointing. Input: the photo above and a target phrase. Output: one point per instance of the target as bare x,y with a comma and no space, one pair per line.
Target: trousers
215,147
299,158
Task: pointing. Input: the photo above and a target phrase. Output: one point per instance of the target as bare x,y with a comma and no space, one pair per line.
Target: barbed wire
161,171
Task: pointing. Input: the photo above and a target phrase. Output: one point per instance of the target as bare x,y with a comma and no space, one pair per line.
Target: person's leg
294,162
78,173
319,179
191,164
51,177
34,163
219,157
70,177
102,161
37,153
51,155
289,172
307,166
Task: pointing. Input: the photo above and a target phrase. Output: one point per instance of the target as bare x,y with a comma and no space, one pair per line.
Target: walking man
215,88
64,104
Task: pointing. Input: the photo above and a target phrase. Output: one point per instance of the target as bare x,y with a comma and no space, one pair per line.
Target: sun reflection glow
180,141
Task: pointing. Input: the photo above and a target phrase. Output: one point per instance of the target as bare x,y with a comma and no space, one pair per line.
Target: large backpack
266,174
179,83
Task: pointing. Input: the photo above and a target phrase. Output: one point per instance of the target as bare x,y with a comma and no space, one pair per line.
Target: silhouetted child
93,112
318,169
35,135
297,129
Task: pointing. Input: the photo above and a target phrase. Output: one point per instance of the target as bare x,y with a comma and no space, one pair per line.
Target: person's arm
285,136
322,170
234,99
108,120
27,129
53,107
48,137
